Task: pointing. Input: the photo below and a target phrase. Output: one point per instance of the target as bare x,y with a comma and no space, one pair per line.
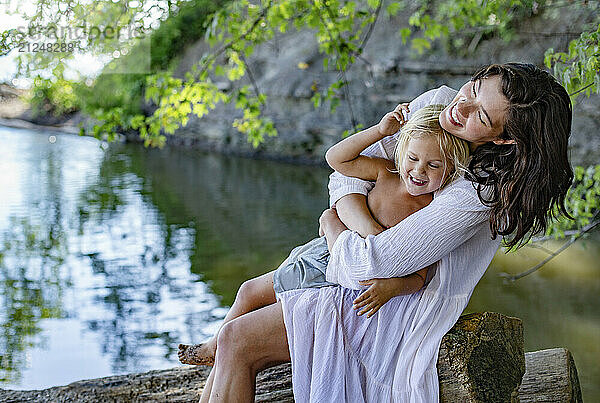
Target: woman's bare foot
197,354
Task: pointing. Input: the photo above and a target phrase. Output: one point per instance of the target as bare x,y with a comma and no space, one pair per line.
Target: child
426,159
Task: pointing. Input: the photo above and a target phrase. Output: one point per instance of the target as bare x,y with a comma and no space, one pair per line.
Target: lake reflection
109,257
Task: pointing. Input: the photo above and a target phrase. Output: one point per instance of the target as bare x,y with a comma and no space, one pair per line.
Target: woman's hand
331,226
393,121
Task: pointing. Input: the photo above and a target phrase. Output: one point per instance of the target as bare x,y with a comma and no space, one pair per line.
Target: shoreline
172,141
17,123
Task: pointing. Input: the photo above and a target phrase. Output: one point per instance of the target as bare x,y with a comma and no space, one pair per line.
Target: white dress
338,356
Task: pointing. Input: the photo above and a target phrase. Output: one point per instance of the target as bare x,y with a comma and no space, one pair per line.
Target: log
481,360
550,376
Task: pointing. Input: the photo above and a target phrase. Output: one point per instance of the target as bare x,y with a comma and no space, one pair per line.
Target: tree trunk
550,376
481,359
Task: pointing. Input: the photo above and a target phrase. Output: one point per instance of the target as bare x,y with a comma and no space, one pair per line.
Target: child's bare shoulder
386,166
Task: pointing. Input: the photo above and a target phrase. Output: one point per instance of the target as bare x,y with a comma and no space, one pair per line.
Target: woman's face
477,113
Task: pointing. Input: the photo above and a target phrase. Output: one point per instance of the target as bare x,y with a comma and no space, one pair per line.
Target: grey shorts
305,267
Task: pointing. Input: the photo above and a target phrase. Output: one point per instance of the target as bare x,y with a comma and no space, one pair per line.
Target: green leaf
316,100
420,44
373,3
404,34
393,8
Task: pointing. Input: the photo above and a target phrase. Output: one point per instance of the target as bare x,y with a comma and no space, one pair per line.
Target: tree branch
581,89
250,76
549,237
370,30
228,45
348,100
540,247
573,239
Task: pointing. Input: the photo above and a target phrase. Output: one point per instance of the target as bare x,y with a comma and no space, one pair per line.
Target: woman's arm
380,289
416,242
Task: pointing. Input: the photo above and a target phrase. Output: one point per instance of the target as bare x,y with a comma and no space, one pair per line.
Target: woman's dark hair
525,183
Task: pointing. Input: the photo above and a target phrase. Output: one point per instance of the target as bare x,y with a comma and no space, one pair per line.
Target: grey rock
393,75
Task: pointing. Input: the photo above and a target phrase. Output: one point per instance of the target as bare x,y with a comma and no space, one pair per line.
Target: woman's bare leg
253,294
207,387
245,346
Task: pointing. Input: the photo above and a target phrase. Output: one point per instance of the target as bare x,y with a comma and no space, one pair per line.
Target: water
110,256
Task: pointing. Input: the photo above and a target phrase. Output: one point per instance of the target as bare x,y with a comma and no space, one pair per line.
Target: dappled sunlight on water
85,249
109,258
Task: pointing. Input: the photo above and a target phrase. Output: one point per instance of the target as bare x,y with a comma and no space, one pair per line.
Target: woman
518,120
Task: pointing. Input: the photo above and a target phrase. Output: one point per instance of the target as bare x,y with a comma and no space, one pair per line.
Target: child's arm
345,156
382,289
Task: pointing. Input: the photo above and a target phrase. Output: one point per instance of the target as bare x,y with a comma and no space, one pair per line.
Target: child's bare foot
197,354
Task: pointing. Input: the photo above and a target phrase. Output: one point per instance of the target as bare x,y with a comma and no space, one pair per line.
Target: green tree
341,27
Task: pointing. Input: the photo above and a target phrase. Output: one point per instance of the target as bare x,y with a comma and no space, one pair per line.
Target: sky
83,64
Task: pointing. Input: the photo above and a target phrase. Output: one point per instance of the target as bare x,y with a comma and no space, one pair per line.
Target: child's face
423,166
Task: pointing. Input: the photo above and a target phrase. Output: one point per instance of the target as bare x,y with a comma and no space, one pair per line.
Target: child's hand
393,121
379,292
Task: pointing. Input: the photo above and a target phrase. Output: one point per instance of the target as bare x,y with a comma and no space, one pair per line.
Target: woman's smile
478,111
453,116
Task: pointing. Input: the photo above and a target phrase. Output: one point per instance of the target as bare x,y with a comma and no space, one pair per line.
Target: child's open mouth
417,182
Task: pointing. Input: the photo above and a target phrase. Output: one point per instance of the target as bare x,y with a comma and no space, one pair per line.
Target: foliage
110,91
342,29
114,99
583,202
181,29
579,67
55,96
464,22
78,24
579,71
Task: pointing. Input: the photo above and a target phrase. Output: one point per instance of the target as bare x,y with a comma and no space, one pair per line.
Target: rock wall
392,75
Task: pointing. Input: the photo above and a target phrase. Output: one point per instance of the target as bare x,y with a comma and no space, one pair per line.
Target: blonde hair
425,122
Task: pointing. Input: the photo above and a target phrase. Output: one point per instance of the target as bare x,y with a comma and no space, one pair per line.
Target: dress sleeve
416,242
340,185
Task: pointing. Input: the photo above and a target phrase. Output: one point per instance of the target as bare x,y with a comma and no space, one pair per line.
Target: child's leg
252,294
304,268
